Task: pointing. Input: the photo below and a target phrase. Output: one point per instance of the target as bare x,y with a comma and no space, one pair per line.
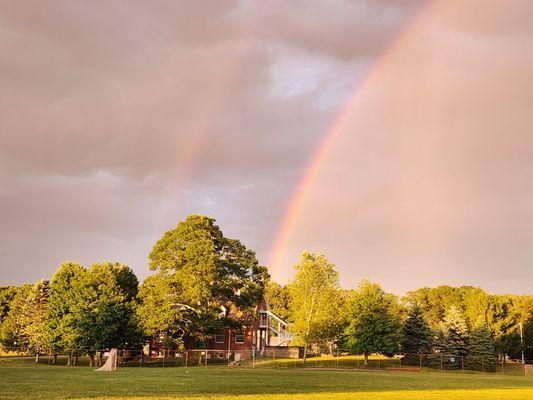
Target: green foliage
92,308
158,312
501,313
24,325
417,335
315,306
456,333
210,279
375,323
481,349
7,293
61,330
278,298
12,328
104,310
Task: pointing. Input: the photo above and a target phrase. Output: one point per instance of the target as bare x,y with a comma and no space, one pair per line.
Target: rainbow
338,126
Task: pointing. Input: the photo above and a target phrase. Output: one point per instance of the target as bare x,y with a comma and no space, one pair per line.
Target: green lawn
222,382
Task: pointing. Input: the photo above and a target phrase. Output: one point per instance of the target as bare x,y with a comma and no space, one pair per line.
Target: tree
104,311
158,310
278,298
417,335
314,308
7,293
92,309
456,332
375,323
33,315
24,325
481,349
213,280
60,329
12,328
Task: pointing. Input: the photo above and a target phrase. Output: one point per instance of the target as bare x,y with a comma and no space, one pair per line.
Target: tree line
203,281
461,322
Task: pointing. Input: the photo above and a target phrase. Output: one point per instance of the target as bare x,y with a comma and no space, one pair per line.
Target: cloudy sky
395,137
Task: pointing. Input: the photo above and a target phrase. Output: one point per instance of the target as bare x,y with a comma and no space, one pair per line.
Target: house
264,334
267,334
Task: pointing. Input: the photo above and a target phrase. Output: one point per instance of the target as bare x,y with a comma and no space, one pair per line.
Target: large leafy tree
105,307
375,321
34,317
92,309
12,329
417,335
278,298
7,293
61,329
315,304
211,280
24,325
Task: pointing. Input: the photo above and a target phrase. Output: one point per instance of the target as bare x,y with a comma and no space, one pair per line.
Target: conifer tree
481,349
456,331
417,336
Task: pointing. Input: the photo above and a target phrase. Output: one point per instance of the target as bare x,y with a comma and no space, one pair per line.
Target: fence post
164,355
337,359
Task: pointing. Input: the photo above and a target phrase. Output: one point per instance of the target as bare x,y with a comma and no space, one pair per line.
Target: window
219,336
239,337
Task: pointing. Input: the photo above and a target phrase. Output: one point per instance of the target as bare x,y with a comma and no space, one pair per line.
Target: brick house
266,331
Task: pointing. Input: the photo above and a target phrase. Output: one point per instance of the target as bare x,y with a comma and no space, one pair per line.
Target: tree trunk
91,360
69,361
54,359
75,360
37,357
305,353
366,359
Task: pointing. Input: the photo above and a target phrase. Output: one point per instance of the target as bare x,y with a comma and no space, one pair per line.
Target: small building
261,335
267,334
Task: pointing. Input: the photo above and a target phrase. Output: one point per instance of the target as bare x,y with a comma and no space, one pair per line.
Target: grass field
222,382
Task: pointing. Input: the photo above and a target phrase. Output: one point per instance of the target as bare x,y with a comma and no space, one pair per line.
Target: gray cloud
119,118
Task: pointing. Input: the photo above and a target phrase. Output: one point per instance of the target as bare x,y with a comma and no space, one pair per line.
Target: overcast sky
119,118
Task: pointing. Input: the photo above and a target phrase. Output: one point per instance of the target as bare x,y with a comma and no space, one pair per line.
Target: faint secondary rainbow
338,126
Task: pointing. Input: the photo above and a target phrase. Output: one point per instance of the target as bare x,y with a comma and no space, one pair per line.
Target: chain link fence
279,358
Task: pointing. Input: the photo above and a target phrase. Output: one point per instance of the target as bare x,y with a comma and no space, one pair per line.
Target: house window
219,336
239,337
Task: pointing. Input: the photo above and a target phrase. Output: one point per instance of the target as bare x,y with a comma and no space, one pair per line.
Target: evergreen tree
417,336
456,331
481,349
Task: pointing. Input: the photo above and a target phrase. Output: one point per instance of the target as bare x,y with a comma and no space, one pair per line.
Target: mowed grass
223,382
